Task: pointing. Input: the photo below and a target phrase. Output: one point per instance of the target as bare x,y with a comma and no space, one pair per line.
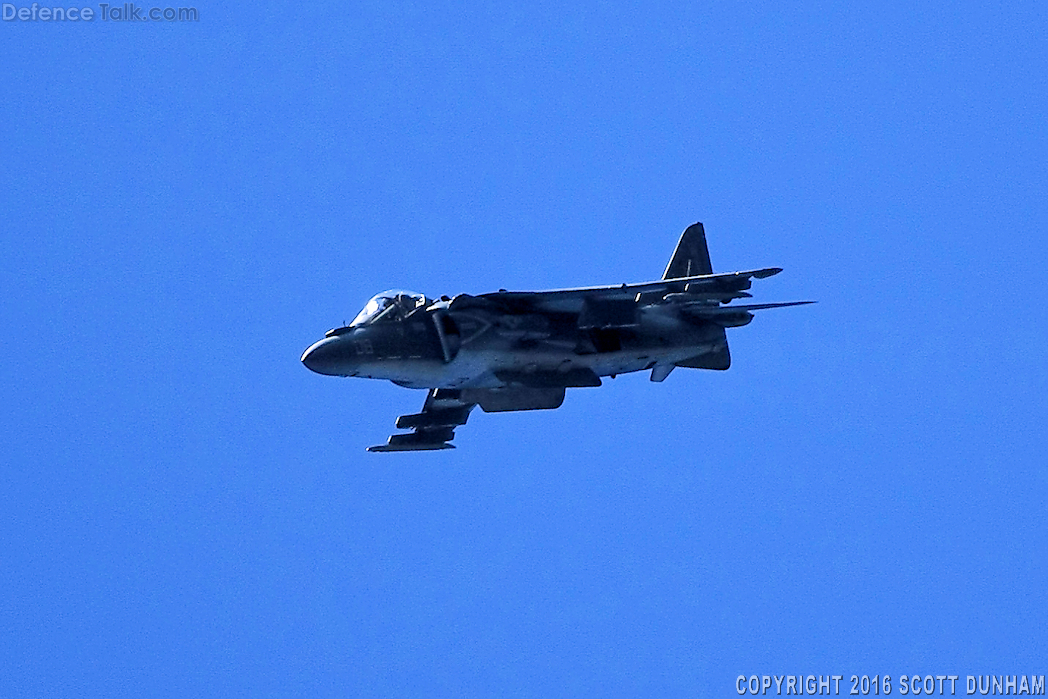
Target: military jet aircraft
520,350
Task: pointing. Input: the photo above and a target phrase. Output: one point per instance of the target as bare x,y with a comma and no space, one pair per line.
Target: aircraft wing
434,427
727,285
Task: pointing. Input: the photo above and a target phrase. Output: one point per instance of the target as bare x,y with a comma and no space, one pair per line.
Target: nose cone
331,356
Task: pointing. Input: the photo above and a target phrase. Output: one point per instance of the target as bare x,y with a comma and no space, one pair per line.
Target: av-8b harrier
520,350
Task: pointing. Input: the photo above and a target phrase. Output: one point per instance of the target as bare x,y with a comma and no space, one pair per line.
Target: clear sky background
185,510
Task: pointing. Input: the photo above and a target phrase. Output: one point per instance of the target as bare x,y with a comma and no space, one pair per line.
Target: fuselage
432,348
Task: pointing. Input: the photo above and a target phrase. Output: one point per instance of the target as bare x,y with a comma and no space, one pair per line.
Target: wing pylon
434,427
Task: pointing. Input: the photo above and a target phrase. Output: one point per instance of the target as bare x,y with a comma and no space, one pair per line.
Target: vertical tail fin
691,257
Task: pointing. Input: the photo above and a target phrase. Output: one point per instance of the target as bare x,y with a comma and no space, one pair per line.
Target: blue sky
187,511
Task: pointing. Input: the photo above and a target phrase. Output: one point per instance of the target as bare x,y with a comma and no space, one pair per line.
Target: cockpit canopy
389,305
